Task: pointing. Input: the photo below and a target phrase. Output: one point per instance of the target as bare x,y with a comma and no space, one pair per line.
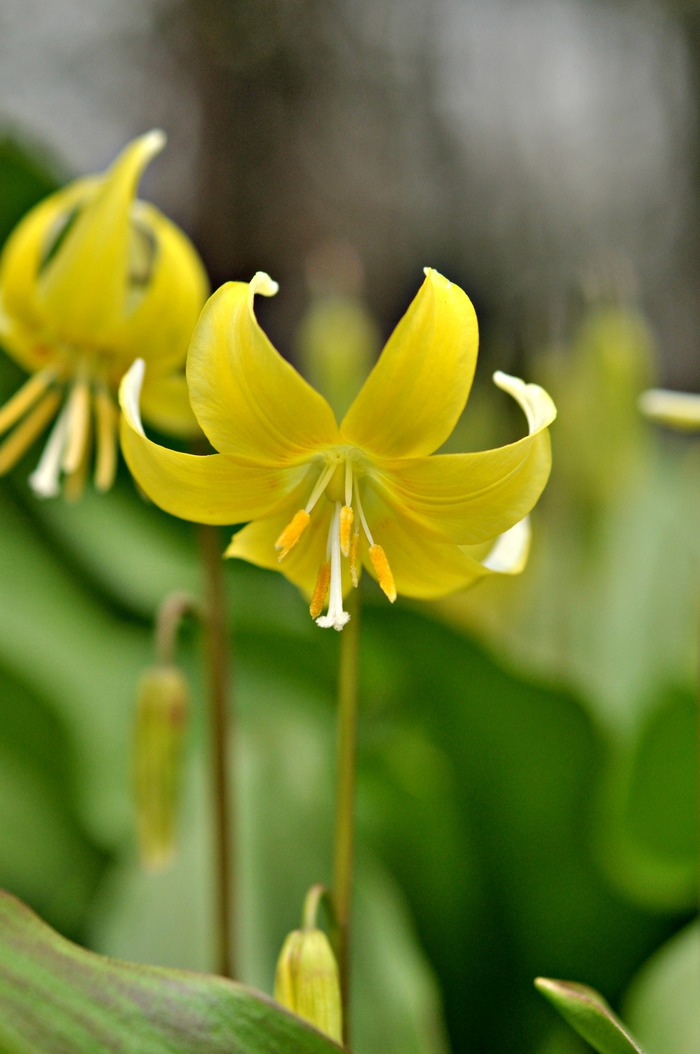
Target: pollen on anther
292,533
346,520
320,592
383,571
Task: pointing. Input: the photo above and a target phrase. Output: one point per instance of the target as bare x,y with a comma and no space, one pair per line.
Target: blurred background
528,770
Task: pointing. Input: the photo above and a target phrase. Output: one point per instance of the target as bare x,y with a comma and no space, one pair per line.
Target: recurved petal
471,498
206,489
508,554
84,285
175,287
413,397
249,401
22,316
165,404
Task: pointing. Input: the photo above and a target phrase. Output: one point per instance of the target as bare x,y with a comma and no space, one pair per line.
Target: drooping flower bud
307,983
161,723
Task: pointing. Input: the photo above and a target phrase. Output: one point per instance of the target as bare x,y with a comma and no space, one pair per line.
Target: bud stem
344,850
170,614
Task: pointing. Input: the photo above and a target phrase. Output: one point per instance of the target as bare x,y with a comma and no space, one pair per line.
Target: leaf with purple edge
57,998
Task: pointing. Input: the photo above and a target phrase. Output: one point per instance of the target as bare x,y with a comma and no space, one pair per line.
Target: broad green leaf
57,998
590,1015
663,1005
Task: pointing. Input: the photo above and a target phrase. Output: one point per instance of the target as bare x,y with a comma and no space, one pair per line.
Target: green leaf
589,1014
57,998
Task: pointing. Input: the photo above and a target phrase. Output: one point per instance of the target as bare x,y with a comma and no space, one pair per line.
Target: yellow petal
413,397
23,317
160,326
508,555
249,401
207,489
165,404
422,566
472,498
84,286
677,409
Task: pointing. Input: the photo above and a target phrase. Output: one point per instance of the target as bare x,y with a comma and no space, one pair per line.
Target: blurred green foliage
526,758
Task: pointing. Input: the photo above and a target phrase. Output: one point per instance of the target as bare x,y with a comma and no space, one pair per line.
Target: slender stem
344,850
217,645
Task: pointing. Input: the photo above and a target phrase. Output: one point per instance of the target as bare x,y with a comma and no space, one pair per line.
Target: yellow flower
324,499
90,280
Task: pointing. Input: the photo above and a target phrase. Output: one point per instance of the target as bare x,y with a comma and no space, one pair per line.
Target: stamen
74,483
384,575
26,432
105,439
28,394
335,616
354,562
363,520
292,533
348,481
320,589
321,485
78,411
346,520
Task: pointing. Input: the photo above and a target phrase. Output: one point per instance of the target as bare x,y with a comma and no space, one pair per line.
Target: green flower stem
344,850
217,647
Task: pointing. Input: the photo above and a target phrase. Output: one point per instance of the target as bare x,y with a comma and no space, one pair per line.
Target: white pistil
336,616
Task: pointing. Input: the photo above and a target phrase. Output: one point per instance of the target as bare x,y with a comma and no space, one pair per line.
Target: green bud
161,720
307,982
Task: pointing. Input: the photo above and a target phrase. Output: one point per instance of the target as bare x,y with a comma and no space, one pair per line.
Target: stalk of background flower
91,279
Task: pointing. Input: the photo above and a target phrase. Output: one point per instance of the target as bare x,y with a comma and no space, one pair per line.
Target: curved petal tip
535,402
263,284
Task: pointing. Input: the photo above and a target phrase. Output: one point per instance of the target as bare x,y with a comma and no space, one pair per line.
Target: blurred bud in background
162,709
338,339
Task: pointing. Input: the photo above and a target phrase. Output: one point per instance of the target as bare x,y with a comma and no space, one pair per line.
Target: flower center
85,396
340,482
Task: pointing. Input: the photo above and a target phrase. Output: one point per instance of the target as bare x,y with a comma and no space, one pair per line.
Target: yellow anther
384,575
354,561
320,593
292,533
346,518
